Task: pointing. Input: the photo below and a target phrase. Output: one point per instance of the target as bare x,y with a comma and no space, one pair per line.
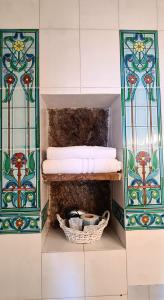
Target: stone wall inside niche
81,126
90,196
71,127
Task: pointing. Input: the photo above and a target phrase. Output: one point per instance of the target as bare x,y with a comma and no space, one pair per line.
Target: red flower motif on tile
18,159
27,79
132,79
143,158
10,79
148,79
145,219
19,223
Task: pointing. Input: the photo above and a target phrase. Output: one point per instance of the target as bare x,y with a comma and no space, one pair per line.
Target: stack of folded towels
81,159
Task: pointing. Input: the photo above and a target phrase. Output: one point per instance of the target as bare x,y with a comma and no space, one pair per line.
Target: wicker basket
90,234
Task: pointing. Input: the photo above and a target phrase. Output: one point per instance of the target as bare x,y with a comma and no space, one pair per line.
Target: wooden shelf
115,176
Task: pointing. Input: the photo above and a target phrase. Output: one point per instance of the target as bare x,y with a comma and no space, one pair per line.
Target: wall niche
74,127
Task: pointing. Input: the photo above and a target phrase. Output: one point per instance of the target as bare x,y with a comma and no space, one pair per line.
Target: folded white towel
77,166
74,152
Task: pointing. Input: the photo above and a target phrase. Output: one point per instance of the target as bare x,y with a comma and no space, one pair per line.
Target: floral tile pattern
19,107
19,223
144,219
141,112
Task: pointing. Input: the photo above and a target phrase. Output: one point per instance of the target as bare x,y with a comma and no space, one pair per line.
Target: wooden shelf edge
114,176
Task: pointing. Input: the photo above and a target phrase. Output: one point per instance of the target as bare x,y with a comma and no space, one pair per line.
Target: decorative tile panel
141,112
19,223
144,219
19,107
142,118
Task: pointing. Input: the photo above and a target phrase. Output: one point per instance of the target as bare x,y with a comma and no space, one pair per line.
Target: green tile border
20,223
44,214
145,219
118,213
138,219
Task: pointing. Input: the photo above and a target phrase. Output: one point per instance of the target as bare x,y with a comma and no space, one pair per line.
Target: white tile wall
19,14
145,262
43,147
160,14
100,58
44,189
100,90
45,232
59,14
140,14
161,57
99,14
20,266
64,54
100,277
116,141
59,58
63,275
59,90
116,137
119,230
43,127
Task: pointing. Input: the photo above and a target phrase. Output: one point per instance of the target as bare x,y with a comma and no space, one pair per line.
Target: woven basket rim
78,236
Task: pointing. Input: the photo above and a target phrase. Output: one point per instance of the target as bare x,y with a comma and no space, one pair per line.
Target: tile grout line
39,14
77,29
126,265
118,14
84,273
148,292
157,14
41,272
79,46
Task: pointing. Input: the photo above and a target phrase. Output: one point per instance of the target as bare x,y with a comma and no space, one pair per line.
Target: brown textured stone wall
90,196
71,127
74,127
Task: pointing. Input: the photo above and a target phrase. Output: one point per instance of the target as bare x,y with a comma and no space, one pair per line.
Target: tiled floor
138,293
155,292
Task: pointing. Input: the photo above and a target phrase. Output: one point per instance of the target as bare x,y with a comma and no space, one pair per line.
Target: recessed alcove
75,120
83,120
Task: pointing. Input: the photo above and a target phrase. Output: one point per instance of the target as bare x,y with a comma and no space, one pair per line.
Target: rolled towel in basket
90,219
77,166
80,152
